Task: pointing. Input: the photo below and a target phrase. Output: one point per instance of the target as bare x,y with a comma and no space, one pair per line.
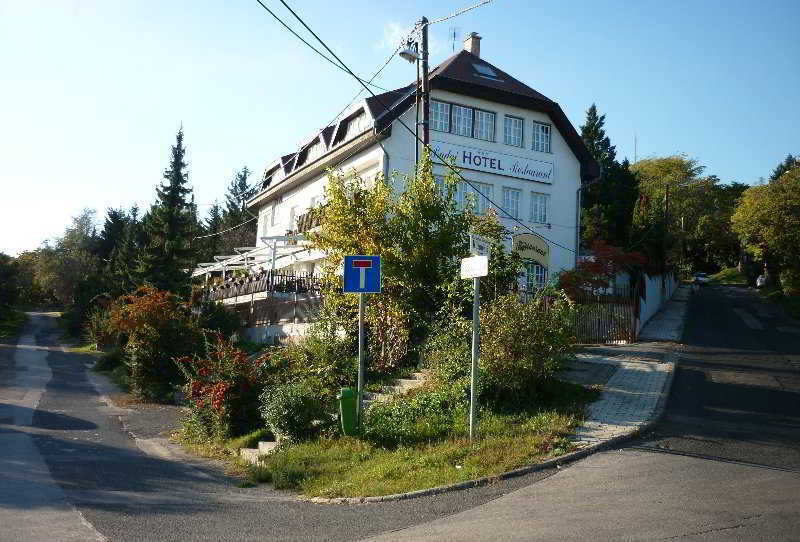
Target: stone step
250,455
266,447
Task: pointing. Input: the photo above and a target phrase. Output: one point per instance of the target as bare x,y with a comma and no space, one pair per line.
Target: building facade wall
561,186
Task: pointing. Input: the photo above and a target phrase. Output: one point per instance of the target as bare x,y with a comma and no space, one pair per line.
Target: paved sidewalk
636,393
631,398
667,324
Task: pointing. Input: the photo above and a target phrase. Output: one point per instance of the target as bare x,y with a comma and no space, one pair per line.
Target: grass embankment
790,303
350,467
729,275
11,322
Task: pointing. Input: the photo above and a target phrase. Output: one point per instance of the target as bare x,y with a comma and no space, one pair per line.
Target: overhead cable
430,149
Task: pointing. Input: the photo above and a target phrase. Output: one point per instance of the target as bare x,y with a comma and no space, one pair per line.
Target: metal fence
607,317
271,297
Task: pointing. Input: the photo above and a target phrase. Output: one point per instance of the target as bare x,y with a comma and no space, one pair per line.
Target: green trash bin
348,402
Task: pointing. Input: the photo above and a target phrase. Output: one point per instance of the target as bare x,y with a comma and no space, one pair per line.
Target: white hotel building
516,145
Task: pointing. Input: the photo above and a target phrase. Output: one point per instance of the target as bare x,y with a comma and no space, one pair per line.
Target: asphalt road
723,465
69,471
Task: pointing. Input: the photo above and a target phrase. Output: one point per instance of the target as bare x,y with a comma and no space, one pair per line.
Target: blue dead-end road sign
362,274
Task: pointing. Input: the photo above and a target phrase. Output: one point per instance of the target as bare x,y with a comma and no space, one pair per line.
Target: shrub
524,344
98,328
223,389
430,414
447,351
215,317
158,329
296,410
790,281
110,360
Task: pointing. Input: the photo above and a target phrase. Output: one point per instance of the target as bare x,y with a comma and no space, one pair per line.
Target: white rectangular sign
474,266
494,162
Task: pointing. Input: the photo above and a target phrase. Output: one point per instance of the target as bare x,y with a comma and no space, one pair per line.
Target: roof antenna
454,33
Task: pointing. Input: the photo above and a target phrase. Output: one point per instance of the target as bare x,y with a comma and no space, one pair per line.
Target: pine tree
789,163
169,227
595,138
236,213
111,235
212,227
607,206
123,266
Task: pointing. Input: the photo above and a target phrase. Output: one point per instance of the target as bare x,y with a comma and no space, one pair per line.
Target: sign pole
476,338
361,304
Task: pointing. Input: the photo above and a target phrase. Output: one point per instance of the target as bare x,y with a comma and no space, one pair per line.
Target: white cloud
394,34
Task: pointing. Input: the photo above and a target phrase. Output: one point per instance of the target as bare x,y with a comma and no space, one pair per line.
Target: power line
225,231
298,36
430,149
457,13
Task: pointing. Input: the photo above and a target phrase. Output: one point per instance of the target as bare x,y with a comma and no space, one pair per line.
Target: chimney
473,44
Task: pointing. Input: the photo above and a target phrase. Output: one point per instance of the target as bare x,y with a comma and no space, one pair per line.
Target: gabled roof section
467,74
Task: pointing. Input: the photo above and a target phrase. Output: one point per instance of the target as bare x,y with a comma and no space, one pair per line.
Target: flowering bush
599,270
154,328
223,389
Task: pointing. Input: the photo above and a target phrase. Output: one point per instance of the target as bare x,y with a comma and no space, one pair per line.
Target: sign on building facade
495,162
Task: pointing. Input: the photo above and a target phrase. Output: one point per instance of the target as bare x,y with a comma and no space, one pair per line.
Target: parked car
700,279
761,281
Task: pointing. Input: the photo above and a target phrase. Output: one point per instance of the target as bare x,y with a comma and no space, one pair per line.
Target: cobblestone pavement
630,398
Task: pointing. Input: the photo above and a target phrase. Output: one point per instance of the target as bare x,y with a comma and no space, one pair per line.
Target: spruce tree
111,235
789,163
236,213
607,206
213,225
169,228
123,267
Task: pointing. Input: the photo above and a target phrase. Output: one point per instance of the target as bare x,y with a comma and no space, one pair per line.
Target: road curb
557,462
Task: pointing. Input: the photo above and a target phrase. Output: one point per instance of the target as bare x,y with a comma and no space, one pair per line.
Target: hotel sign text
494,162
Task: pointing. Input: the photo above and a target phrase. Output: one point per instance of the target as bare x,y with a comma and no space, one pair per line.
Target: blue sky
94,90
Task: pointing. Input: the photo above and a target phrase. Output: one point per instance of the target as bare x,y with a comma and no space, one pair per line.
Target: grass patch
729,275
790,303
11,322
351,467
227,451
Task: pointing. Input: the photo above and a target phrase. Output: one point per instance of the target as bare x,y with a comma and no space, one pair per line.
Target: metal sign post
475,267
362,275
360,405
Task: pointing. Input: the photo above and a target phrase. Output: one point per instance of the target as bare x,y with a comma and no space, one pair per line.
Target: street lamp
411,53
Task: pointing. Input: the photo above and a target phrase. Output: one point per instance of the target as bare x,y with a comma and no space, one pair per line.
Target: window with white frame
540,208
292,216
535,276
541,137
484,125
512,131
511,197
440,116
462,120
478,195
272,214
266,219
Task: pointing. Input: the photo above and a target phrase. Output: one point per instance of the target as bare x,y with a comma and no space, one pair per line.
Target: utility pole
426,91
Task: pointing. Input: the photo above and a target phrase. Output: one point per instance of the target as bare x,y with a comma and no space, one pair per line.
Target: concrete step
266,447
251,455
